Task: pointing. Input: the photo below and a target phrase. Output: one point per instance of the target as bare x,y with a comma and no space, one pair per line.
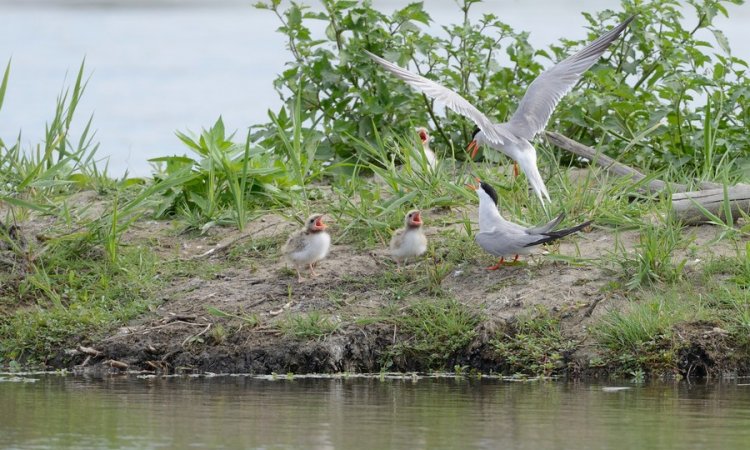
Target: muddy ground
243,275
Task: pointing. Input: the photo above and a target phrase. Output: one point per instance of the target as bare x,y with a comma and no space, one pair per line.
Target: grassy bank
182,270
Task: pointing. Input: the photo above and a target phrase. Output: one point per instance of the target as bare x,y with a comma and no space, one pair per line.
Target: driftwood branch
687,206
619,169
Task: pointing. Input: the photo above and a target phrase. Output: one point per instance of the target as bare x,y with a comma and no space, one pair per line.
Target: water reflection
242,412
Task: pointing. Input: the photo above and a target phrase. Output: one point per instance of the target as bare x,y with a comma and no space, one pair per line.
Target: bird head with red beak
424,137
484,188
315,223
476,138
414,219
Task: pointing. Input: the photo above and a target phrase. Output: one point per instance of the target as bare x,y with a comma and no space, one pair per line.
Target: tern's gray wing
547,227
547,89
451,100
499,242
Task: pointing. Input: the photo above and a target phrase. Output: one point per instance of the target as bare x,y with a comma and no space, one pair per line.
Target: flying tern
534,110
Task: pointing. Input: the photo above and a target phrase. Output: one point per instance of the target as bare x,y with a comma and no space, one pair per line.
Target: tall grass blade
4,84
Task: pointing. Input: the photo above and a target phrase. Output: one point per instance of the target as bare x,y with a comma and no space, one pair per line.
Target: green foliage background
675,100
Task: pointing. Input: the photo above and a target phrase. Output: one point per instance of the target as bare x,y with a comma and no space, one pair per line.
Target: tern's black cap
474,133
489,190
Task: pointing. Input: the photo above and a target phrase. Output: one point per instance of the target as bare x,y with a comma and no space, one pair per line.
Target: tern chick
429,155
308,246
409,241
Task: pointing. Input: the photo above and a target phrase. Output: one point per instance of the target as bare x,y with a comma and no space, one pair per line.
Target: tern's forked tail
552,236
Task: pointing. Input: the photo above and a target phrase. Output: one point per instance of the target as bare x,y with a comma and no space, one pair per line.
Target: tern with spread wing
502,238
542,96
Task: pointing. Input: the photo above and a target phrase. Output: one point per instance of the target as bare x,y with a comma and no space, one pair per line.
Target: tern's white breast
316,248
413,244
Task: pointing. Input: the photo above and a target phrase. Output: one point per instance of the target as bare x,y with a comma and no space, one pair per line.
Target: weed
252,320
215,188
218,334
313,325
434,331
653,259
535,346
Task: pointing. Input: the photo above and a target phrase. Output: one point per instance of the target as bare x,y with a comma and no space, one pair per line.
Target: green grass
653,259
72,295
313,325
535,345
728,281
433,331
642,335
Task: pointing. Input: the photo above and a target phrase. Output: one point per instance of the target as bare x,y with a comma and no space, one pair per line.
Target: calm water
243,412
158,66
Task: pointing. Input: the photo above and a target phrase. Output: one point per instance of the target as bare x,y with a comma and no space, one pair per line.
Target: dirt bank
230,305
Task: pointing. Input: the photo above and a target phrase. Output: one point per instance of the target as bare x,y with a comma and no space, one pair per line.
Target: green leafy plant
663,71
660,72
225,177
345,96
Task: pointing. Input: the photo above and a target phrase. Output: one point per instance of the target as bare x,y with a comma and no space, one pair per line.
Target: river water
158,66
70,412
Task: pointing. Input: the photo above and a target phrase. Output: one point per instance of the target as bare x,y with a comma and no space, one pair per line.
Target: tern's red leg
515,169
515,259
497,266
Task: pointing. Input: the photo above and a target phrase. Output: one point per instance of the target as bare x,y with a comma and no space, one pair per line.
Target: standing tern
542,96
308,246
502,238
409,241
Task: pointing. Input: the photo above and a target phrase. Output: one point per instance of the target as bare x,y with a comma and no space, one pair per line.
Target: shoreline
225,302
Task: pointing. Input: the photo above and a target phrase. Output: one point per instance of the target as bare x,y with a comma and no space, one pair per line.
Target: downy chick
409,241
308,246
424,138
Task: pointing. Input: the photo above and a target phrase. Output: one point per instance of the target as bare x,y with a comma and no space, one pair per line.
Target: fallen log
688,207
612,166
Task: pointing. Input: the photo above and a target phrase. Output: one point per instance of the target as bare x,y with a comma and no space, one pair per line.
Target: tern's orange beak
473,147
471,186
319,225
